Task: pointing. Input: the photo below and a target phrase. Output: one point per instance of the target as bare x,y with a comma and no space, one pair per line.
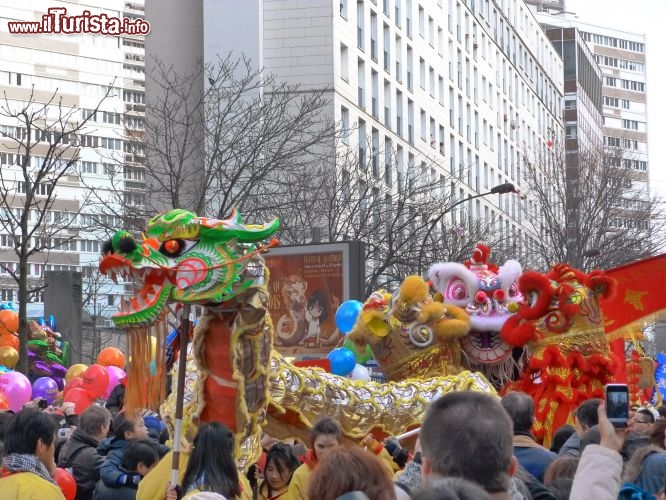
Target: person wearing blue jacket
125,430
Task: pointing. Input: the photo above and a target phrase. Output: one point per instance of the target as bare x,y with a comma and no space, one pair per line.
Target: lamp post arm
500,189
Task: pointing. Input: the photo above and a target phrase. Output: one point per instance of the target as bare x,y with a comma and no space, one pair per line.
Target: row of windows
637,165
625,84
615,102
610,41
615,62
617,142
106,117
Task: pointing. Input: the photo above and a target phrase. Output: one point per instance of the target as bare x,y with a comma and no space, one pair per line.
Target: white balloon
360,372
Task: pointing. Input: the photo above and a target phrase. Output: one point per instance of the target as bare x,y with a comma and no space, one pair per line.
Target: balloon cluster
347,360
87,383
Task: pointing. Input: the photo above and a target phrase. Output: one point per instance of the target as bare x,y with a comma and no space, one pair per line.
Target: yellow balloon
8,357
75,371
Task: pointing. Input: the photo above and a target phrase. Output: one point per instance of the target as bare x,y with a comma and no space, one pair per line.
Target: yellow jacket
298,487
154,484
28,486
263,492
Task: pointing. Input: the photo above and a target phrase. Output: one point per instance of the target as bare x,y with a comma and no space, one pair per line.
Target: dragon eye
176,247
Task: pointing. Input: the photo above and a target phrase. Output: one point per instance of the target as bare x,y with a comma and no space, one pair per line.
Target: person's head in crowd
345,469
211,466
520,408
127,428
563,467
657,434
560,437
450,488
280,466
140,456
156,428
585,415
560,488
5,418
468,434
641,421
95,421
592,436
32,432
325,435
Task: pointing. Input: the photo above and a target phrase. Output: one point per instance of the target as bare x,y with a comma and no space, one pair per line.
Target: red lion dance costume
562,326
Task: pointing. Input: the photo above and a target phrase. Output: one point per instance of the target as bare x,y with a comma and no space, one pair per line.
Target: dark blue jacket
532,456
111,470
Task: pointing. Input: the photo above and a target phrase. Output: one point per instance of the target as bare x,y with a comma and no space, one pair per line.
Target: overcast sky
647,17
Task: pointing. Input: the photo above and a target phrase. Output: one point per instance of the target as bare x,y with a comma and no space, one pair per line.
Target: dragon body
233,374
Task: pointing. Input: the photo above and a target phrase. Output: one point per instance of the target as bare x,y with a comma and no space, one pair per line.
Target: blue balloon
342,361
41,322
52,322
345,316
4,369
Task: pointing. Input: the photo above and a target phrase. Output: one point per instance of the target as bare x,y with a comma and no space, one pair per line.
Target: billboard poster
307,284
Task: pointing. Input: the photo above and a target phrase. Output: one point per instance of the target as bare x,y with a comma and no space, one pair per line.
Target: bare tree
590,209
43,152
250,132
405,220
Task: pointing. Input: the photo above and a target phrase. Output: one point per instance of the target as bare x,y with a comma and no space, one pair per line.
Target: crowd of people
470,446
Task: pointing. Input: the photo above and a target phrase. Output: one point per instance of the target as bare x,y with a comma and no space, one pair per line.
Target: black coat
80,454
116,399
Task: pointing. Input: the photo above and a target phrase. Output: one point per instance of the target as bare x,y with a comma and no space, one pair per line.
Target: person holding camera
79,453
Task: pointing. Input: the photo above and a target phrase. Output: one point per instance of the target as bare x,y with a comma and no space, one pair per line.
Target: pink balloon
115,376
16,388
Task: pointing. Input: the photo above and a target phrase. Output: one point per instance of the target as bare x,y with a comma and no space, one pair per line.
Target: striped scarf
24,462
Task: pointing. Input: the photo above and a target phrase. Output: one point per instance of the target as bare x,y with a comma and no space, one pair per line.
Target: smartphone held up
617,404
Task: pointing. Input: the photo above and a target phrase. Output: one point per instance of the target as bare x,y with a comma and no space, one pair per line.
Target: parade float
233,374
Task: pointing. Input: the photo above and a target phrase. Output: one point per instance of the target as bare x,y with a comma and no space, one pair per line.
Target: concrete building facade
453,89
77,68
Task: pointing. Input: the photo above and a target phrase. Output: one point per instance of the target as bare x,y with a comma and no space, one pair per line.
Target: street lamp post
504,188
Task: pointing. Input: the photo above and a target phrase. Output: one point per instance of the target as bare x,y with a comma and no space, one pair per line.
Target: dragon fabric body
233,374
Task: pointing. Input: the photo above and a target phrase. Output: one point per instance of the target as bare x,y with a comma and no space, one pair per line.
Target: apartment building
78,68
621,57
452,88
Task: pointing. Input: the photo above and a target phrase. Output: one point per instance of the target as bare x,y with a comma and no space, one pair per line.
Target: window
110,299
344,62
360,23
387,48
630,124
88,167
343,8
373,36
112,118
612,101
610,81
421,22
625,103
89,114
344,125
422,73
423,125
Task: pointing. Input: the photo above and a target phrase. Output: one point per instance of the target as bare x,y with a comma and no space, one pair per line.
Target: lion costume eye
456,290
176,247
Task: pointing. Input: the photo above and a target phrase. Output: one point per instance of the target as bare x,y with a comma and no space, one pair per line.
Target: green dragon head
184,258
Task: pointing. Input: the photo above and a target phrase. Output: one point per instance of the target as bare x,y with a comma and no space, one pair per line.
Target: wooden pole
184,334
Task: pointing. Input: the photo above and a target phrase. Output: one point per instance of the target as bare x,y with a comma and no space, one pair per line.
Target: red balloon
81,399
66,483
73,383
95,380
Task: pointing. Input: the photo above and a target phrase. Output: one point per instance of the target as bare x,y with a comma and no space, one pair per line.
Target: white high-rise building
79,68
473,84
